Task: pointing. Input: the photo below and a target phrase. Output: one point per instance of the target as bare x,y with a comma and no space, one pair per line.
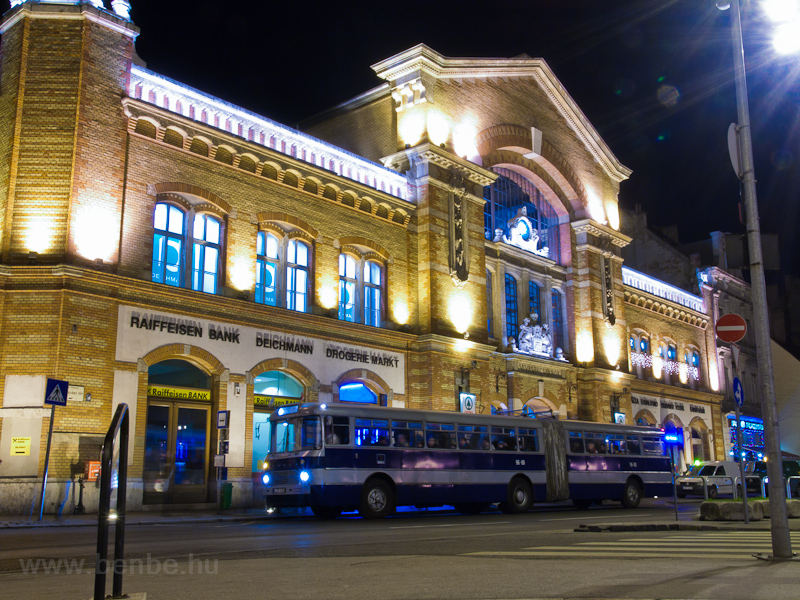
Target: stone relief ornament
523,234
459,268
535,339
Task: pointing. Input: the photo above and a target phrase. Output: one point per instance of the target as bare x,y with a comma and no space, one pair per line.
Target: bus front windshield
295,434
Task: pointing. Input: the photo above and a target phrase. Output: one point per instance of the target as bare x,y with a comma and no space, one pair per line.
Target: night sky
655,78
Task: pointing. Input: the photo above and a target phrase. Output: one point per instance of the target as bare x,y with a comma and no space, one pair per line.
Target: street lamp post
779,523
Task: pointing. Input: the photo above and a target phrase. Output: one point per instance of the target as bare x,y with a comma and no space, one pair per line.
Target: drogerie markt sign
240,349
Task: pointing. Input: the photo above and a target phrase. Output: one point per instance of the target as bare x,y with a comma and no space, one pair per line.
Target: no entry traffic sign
731,328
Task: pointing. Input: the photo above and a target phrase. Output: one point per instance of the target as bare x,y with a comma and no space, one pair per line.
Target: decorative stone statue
533,339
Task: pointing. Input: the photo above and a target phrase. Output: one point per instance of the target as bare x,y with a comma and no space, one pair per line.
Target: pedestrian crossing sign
55,392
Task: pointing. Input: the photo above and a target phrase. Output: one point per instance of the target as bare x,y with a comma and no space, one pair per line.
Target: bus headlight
304,476
265,478
766,479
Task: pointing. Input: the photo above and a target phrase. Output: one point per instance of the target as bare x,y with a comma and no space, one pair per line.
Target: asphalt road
413,555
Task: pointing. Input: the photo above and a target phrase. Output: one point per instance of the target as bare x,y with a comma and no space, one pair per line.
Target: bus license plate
687,487
279,490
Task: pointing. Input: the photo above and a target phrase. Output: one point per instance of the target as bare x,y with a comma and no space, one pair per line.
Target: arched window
267,268
206,253
644,345
347,288
360,278
372,293
282,267
357,392
533,296
277,383
297,276
168,241
489,305
557,327
504,199
511,306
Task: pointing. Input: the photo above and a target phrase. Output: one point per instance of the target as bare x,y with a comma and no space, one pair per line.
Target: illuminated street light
779,523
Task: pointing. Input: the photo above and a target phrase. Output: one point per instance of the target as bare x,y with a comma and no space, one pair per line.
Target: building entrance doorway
177,435
176,453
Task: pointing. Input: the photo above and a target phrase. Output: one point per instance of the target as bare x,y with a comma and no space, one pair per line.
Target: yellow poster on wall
20,446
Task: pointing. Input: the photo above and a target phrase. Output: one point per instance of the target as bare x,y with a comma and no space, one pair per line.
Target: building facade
453,231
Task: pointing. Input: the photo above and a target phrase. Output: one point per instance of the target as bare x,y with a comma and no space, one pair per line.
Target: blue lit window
533,293
206,253
557,326
297,262
347,288
511,306
357,392
277,383
489,305
633,344
644,344
267,269
672,352
168,241
695,359
372,293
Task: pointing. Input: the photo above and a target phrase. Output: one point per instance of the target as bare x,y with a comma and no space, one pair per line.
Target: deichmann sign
240,348
158,391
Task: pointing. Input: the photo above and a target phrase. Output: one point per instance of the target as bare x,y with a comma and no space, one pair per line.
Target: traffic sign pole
47,458
738,393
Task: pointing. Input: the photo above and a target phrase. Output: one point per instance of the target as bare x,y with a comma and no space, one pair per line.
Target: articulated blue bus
337,457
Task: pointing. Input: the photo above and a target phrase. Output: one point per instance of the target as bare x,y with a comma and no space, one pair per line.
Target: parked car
722,474
757,473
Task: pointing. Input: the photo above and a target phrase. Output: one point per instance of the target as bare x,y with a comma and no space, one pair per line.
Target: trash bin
227,494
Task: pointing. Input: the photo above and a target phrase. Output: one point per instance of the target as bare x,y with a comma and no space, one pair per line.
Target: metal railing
120,423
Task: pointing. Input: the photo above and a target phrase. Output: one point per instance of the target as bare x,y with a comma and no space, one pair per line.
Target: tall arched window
282,271
172,243
511,306
297,275
168,241
347,288
206,253
372,293
557,326
535,305
489,305
357,392
267,268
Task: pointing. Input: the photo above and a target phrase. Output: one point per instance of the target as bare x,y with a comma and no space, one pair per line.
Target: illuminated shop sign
274,401
159,391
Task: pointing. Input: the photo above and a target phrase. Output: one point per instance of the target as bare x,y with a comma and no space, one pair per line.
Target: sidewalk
134,518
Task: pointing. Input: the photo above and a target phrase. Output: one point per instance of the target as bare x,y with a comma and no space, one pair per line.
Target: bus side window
528,440
594,443
371,432
401,434
616,444
653,446
575,442
469,436
633,444
337,431
503,438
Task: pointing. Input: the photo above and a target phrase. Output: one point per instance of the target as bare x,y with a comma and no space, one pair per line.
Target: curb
165,520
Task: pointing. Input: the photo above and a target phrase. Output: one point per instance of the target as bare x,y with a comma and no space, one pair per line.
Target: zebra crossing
719,545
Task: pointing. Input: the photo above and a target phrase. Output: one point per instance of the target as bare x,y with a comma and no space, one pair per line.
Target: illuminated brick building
454,230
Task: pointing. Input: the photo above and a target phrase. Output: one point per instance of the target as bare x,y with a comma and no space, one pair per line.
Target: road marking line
567,554
451,525
671,543
573,519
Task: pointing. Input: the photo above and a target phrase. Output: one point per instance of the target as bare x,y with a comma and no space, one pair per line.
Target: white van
720,477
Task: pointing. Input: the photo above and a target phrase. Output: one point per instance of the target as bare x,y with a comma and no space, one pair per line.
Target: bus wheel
376,500
520,497
633,494
326,512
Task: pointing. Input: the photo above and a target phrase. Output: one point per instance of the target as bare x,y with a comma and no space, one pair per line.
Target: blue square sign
55,392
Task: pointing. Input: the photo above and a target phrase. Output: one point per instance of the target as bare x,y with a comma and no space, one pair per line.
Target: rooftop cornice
71,12
602,231
424,59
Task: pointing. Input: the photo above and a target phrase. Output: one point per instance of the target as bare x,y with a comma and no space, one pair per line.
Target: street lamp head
723,4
